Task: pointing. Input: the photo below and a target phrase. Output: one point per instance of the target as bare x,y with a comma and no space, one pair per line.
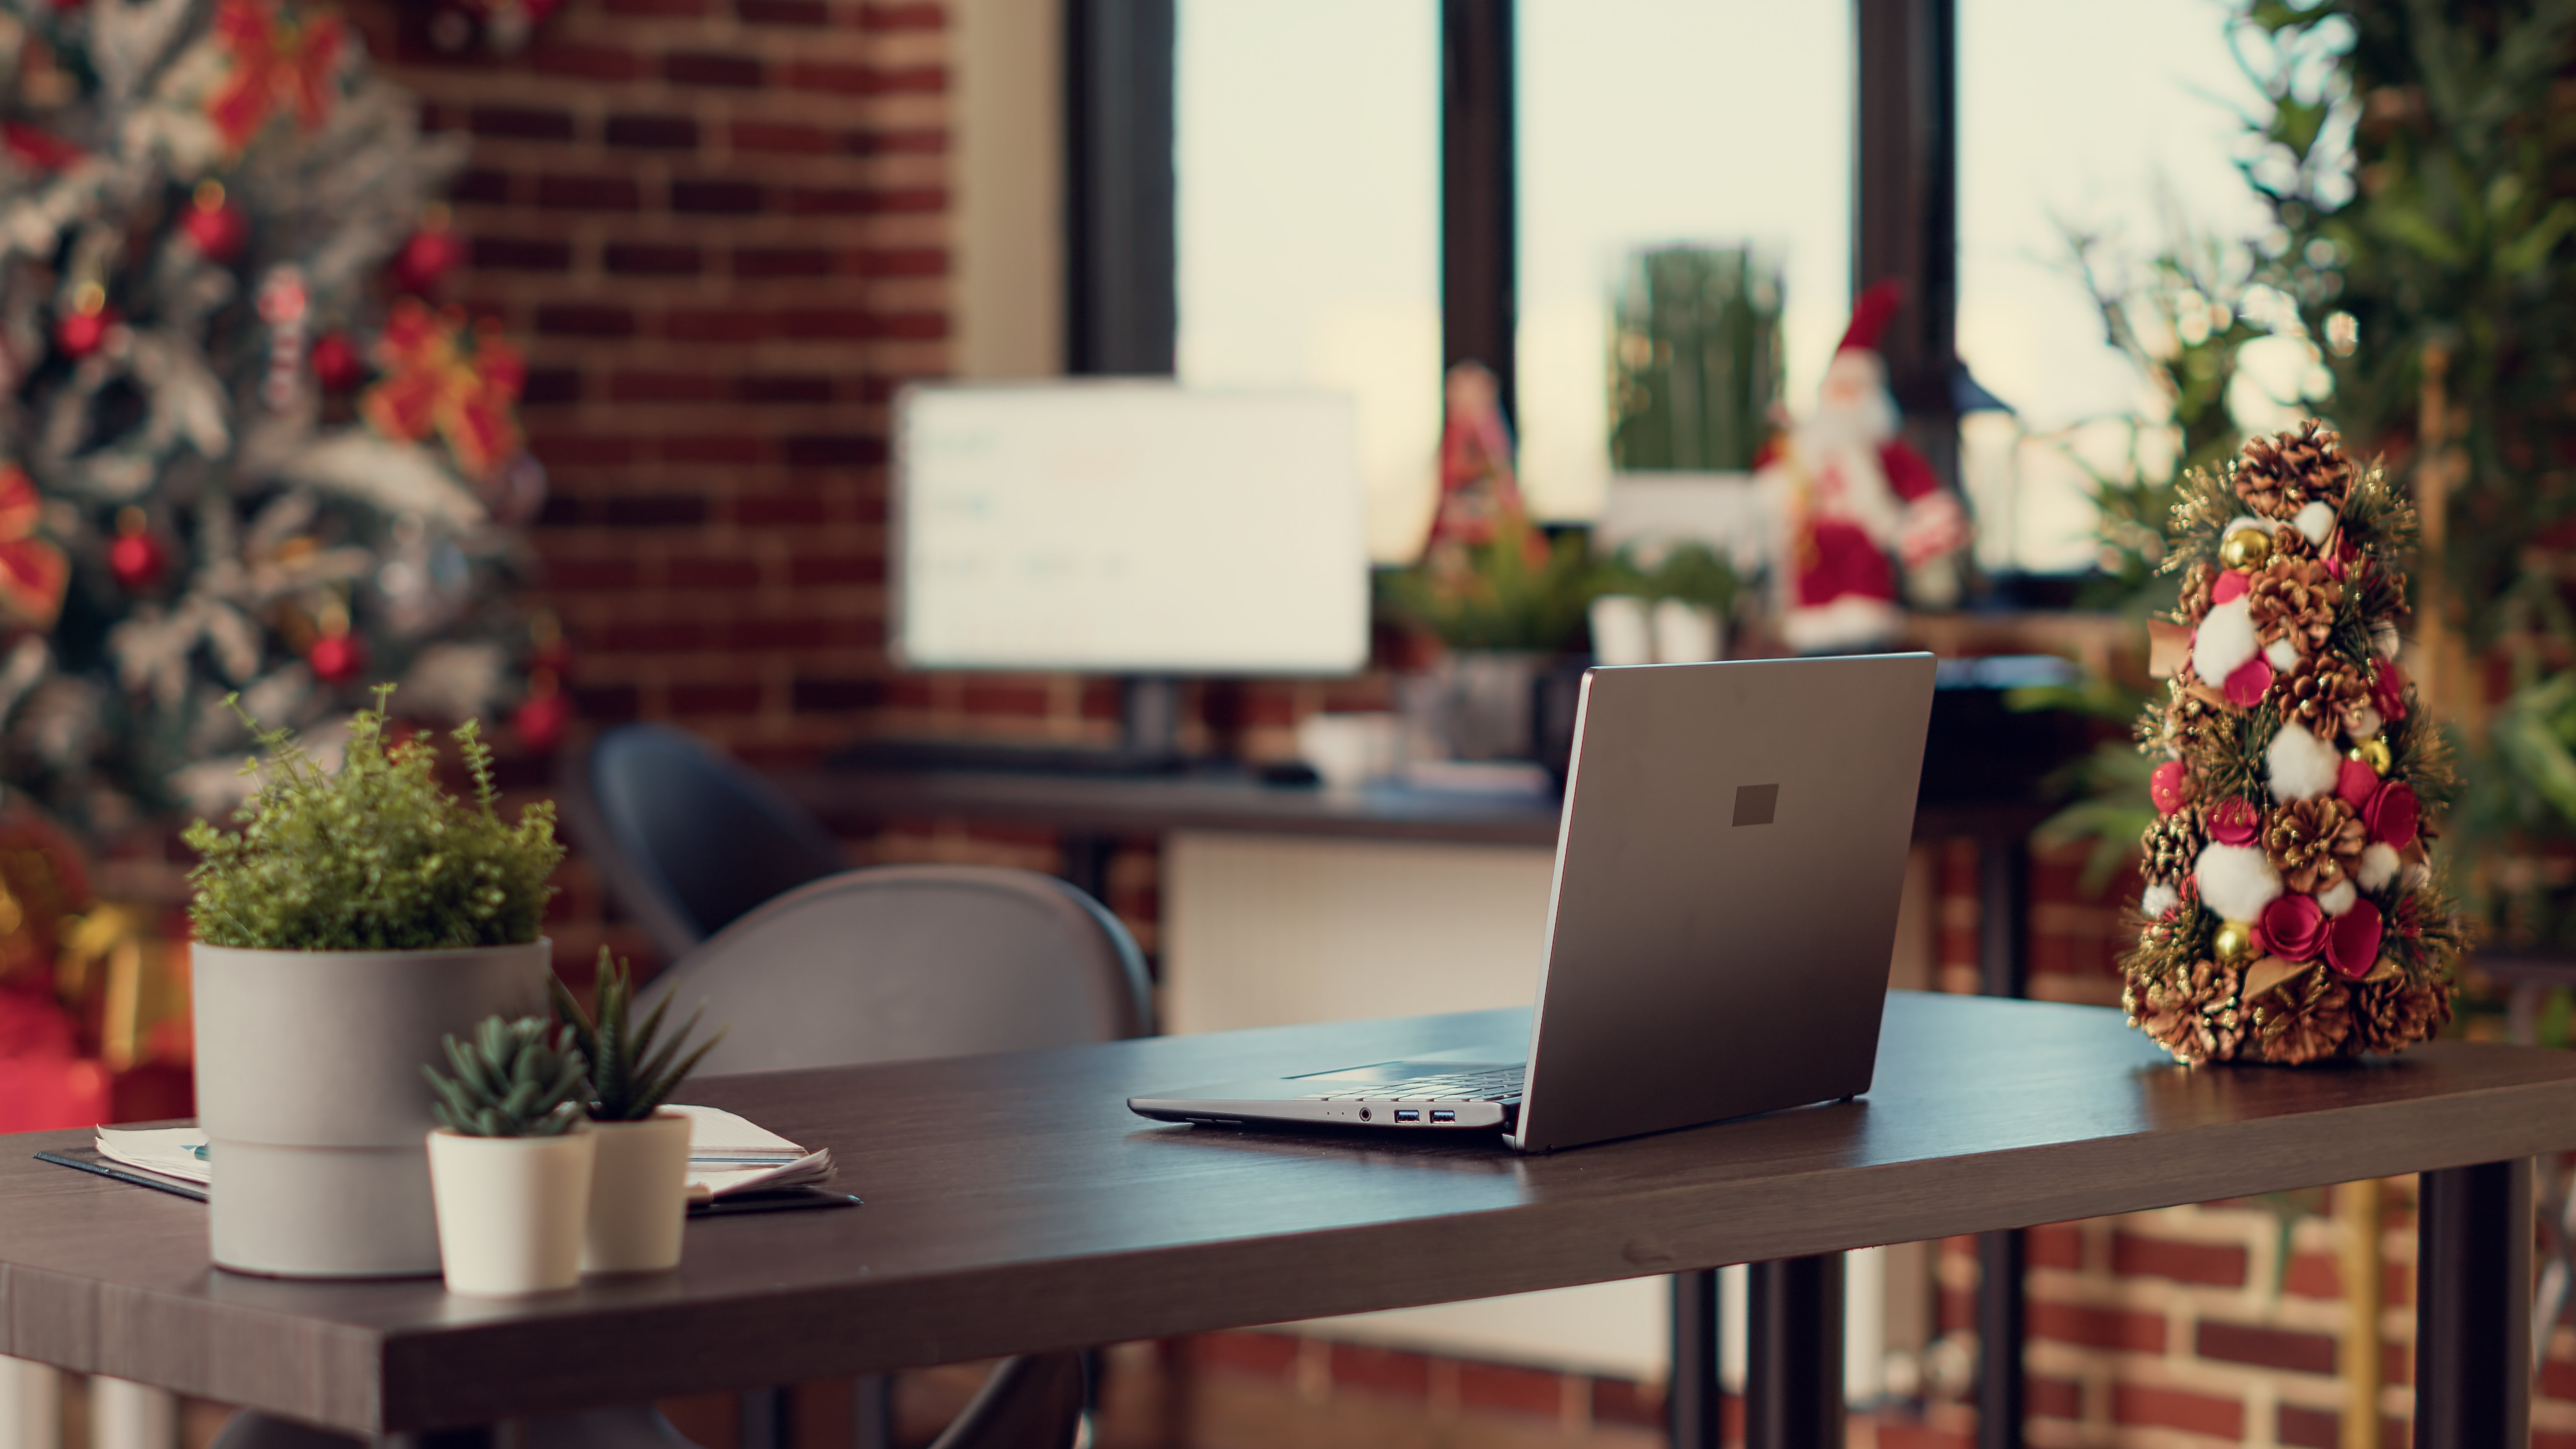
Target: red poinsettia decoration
32,571
442,377
279,62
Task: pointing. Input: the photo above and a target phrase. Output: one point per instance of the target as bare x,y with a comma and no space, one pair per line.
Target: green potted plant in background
354,920
511,1159
640,1179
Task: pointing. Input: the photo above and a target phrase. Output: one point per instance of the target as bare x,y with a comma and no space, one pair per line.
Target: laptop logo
1754,804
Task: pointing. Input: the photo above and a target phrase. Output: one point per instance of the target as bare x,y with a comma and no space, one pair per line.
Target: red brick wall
721,228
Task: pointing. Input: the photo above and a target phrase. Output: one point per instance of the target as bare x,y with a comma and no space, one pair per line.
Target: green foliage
629,1080
1502,601
1695,359
514,1079
2416,162
1690,572
378,857
2106,789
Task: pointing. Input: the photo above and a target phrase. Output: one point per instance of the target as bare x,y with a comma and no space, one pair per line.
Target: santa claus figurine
1846,492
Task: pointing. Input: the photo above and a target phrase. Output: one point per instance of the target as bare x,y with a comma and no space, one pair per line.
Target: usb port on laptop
1439,1116
1407,1114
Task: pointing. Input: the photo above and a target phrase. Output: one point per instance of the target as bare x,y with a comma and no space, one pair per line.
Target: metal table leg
1692,1406
2001,1257
2473,1306
1793,1383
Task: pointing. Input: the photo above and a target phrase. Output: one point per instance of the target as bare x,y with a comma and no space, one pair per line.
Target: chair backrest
897,962
687,840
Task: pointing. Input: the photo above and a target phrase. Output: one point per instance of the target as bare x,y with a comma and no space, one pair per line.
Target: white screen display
1138,528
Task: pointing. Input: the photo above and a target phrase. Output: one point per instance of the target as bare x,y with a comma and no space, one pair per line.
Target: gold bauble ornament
2245,548
2234,941
2374,753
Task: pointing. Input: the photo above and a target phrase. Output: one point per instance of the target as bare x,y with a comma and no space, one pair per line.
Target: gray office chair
685,839
897,962
894,963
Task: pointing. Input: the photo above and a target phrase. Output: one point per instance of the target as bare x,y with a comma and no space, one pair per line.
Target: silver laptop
1724,907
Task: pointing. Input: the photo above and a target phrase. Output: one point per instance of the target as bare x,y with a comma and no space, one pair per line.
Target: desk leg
1692,1409
2001,1257
1086,861
768,1419
2473,1306
1793,1381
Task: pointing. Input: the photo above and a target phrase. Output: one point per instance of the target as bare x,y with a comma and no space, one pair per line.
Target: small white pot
639,1195
511,1210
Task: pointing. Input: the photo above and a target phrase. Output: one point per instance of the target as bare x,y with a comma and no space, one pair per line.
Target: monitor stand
1149,744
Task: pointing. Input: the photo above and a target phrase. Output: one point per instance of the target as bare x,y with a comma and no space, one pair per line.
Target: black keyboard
1496,1084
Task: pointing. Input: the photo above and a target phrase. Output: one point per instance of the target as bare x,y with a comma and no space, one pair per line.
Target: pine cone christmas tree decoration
2171,845
2192,1013
2277,476
2303,1021
2322,694
2270,862
2294,599
2314,843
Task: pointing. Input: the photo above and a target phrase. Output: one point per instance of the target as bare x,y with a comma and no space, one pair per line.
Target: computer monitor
1129,527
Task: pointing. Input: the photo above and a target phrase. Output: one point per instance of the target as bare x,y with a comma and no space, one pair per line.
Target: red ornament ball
137,559
336,363
541,721
431,254
337,658
82,333
215,225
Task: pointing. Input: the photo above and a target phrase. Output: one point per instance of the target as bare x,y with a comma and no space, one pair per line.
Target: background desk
1014,1204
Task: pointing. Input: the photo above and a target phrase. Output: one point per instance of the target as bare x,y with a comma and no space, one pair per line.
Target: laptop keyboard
1498,1084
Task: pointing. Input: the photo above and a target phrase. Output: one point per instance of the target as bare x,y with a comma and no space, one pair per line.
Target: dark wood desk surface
1014,1204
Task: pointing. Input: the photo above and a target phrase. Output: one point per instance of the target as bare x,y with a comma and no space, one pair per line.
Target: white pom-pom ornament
2158,899
2316,522
2336,899
2378,867
2236,881
2225,642
2365,722
2282,655
2383,639
2301,766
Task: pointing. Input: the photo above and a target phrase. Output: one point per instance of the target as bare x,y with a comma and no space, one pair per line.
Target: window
1646,122
2119,119
1307,153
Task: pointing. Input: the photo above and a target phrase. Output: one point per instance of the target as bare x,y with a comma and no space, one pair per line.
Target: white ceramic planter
310,1093
639,1195
511,1210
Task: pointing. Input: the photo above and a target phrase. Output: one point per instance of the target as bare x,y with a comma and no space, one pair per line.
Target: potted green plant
640,1178
510,1161
356,918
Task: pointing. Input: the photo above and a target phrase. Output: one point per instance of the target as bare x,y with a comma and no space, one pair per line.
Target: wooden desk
1014,1204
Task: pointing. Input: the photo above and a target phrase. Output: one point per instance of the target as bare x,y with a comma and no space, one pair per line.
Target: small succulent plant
514,1079
629,1080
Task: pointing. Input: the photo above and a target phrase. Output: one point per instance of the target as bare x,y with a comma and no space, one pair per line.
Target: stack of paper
727,1155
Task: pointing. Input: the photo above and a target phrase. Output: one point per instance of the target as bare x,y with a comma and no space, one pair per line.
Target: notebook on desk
1728,866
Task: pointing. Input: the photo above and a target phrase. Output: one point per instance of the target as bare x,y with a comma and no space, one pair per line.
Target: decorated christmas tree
243,450
2291,913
